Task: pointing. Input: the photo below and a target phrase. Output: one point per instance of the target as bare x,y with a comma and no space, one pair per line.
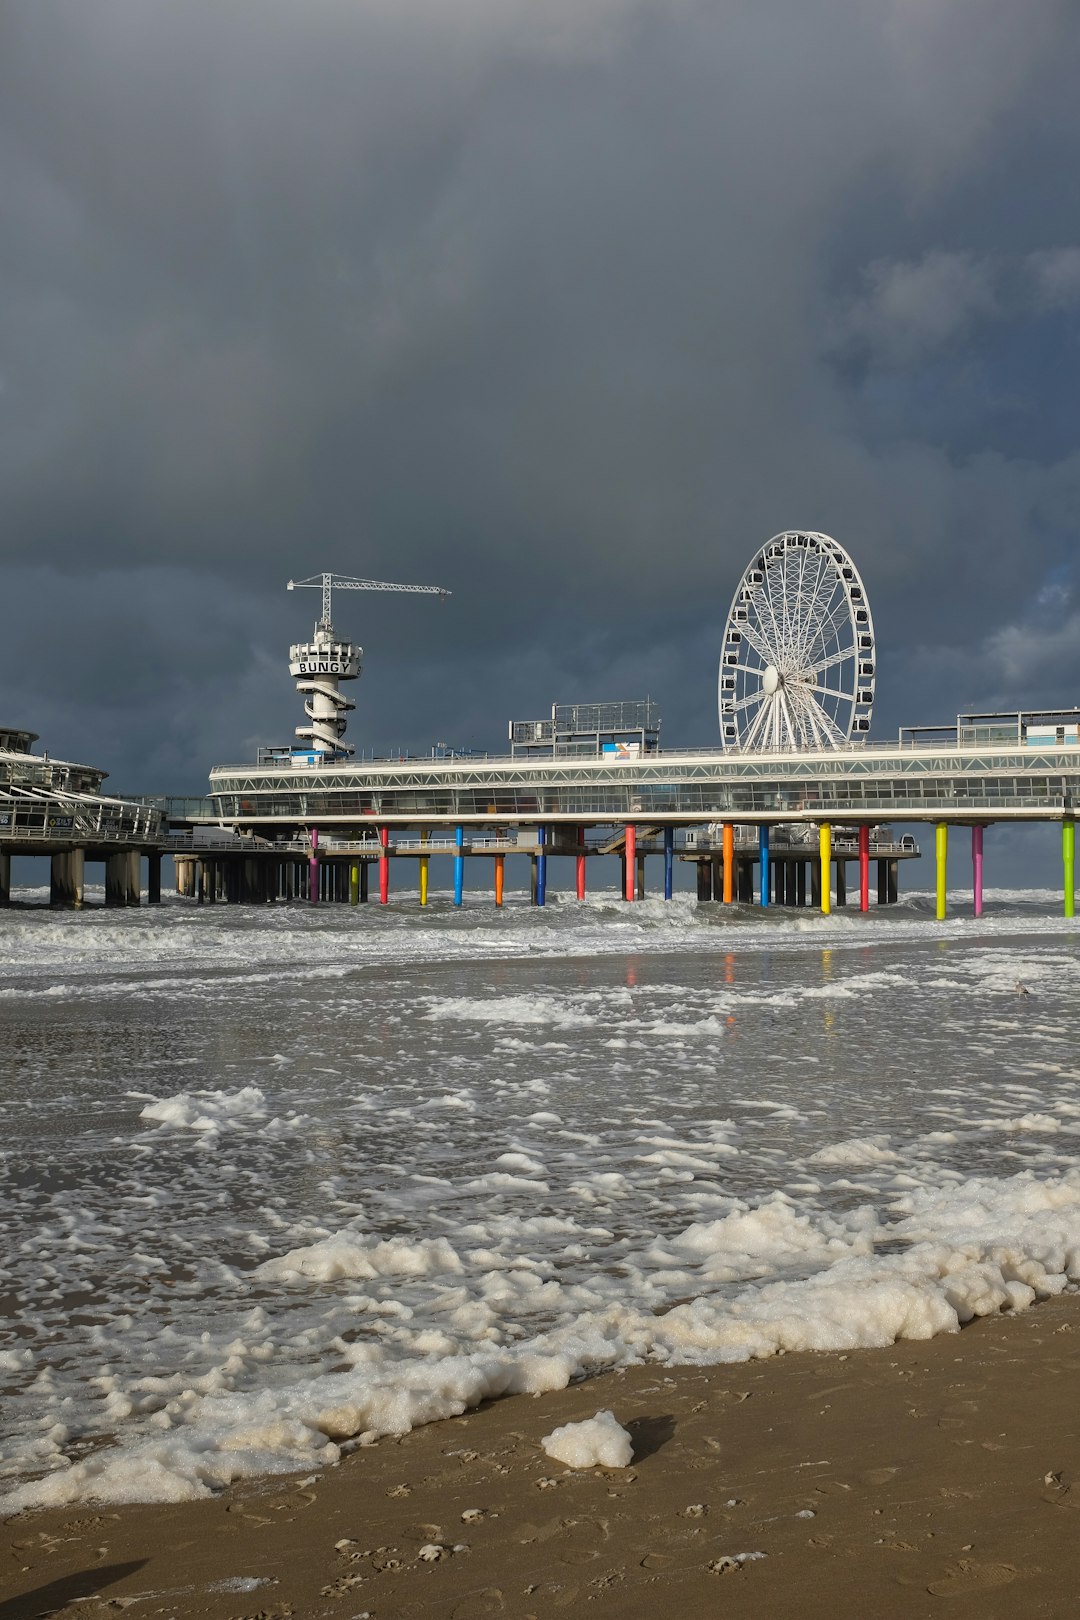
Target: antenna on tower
319,665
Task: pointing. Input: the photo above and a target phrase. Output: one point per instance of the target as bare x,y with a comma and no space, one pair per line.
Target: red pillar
384,866
864,869
631,862
581,866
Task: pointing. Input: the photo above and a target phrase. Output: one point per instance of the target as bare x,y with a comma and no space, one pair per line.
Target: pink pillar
581,866
313,868
976,868
631,862
864,869
384,866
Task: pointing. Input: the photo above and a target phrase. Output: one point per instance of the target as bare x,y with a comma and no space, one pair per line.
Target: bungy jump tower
320,665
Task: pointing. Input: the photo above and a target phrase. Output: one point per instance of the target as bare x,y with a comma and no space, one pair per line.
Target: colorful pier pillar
977,869
459,865
763,863
500,865
354,883
384,866
631,862
424,859
825,851
728,845
313,867
1068,860
864,868
581,863
541,866
669,861
941,851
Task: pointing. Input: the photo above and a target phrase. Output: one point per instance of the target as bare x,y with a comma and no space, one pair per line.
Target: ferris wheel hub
771,679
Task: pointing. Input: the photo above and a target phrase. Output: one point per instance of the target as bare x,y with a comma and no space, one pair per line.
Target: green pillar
1068,857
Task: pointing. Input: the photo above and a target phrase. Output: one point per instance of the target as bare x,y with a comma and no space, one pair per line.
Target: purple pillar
976,868
313,867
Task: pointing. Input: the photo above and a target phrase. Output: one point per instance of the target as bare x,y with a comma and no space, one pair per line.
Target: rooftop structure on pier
624,730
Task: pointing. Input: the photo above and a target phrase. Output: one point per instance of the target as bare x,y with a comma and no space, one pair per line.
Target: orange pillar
631,862
500,861
729,863
581,865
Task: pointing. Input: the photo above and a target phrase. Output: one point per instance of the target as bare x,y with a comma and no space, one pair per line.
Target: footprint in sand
968,1576
479,1605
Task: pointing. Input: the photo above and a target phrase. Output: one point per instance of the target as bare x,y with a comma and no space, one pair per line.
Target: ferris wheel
797,666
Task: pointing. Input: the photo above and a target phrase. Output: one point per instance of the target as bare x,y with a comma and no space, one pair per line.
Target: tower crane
320,665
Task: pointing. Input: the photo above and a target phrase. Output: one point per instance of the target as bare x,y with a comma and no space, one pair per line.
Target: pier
54,808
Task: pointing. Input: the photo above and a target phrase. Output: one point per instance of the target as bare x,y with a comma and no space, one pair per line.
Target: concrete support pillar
534,885
5,878
1068,862
313,868
728,845
629,889
704,880
66,879
669,861
133,878
825,846
641,877
763,863
815,883
864,868
977,870
800,883
365,871
580,874
841,883
116,879
153,878
941,860
745,886
882,882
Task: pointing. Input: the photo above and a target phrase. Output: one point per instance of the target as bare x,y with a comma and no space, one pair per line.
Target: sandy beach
923,1478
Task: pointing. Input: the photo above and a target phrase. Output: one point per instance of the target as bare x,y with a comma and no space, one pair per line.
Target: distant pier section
54,808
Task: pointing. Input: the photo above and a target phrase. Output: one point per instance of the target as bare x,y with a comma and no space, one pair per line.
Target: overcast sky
566,305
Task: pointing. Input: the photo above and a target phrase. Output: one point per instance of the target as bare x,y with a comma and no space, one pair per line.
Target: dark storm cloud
566,307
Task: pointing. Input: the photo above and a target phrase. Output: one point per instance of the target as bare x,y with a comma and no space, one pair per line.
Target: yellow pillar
424,868
941,849
825,844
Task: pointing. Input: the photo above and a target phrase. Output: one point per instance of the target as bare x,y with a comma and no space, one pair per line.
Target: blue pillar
541,866
763,861
459,864
669,859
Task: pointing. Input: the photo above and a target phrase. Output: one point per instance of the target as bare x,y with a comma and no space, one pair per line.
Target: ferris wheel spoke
757,642
827,663
827,691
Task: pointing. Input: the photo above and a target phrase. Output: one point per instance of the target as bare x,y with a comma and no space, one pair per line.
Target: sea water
279,1181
